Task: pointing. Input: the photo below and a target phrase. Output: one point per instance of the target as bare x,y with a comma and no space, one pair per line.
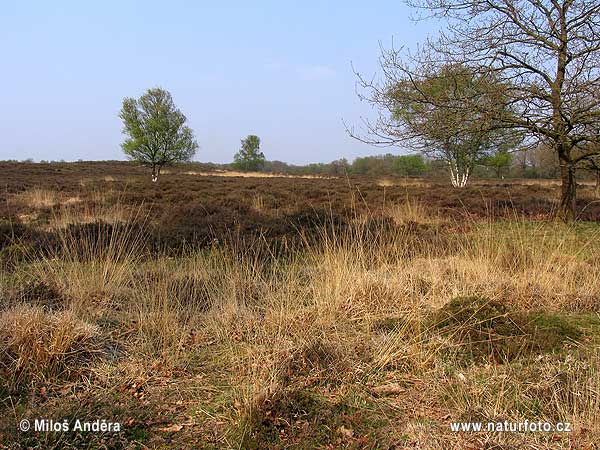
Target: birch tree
428,110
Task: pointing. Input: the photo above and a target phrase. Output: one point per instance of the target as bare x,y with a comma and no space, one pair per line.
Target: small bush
318,357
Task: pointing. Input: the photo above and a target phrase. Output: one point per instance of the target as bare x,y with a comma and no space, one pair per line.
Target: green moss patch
484,330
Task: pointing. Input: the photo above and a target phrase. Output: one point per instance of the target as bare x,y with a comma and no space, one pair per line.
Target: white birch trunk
458,179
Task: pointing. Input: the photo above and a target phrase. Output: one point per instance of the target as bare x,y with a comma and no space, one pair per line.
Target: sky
279,69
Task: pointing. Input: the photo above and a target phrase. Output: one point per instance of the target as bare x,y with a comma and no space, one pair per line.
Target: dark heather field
221,310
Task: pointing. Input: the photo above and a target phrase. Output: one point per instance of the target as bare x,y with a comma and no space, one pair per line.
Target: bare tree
593,165
543,162
546,52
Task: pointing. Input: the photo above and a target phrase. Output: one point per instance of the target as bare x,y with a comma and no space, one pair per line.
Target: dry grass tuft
92,265
258,203
39,345
413,211
96,212
39,198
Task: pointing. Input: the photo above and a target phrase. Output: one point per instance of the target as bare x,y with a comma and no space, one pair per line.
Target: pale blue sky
278,69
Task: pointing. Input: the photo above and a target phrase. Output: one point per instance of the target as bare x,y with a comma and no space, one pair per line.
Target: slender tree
500,161
156,132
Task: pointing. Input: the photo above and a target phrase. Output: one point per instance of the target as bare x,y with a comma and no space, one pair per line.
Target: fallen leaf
346,432
66,389
388,389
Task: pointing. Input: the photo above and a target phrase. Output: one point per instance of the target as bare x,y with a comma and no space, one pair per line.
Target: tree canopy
249,157
428,112
156,131
545,52
549,53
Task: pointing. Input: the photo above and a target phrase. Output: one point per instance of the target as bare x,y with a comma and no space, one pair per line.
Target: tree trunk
458,177
597,183
568,189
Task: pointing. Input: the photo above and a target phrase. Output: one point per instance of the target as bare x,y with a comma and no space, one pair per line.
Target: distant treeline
537,163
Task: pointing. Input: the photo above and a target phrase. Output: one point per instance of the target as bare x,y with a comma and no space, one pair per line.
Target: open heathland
222,310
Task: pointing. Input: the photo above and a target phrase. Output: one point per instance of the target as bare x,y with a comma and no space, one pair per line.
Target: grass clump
40,345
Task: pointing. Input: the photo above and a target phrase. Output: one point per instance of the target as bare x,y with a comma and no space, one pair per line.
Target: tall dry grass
105,207
42,346
347,314
91,266
37,198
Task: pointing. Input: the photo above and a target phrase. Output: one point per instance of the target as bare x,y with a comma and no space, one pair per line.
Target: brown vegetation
217,312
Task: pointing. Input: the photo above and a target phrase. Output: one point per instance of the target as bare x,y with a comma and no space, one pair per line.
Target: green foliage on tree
410,165
156,132
500,162
429,112
249,157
